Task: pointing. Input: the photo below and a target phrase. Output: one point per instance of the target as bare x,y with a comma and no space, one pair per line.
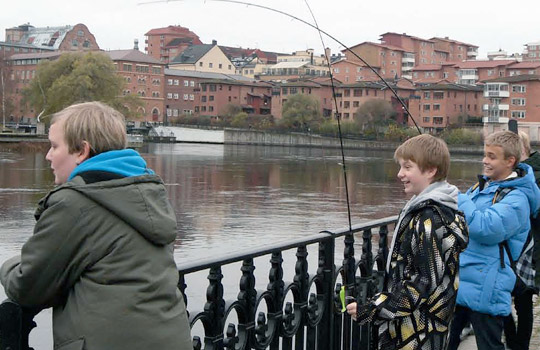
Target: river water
232,197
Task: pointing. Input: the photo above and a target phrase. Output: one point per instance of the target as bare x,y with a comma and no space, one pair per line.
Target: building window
518,114
210,65
357,92
176,96
176,82
203,98
200,64
86,44
438,120
427,95
211,98
74,42
192,83
518,88
436,108
356,104
426,119
127,67
169,82
186,83
220,66
427,108
191,97
210,108
186,97
156,70
518,101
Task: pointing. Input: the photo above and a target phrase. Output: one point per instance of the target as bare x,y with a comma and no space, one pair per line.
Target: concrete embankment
264,138
253,137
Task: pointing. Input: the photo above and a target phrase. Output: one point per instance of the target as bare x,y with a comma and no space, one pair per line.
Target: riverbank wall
231,136
255,137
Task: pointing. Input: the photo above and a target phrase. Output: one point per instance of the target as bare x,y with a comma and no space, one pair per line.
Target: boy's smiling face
413,179
496,167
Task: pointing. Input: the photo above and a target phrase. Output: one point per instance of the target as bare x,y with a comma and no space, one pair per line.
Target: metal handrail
313,320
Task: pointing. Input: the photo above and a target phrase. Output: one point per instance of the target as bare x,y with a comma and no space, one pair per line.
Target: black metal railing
301,312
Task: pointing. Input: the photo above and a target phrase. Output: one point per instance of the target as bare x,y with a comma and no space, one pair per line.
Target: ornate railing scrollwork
311,319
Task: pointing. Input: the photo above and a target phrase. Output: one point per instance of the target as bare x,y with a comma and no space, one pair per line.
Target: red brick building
436,106
321,90
253,97
349,72
166,43
183,89
145,77
65,38
514,97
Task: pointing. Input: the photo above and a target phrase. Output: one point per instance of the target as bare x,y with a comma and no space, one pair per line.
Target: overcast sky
490,25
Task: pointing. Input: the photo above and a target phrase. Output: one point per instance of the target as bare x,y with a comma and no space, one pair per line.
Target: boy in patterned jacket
416,306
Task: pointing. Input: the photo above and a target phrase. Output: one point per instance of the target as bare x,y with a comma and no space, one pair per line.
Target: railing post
247,296
215,309
302,280
366,272
326,271
276,288
349,267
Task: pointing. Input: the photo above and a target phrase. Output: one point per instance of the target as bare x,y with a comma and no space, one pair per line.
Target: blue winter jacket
484,285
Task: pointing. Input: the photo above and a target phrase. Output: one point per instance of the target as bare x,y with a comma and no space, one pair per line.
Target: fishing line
338,117
405,108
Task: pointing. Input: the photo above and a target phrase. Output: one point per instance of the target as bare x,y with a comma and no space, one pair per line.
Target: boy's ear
511,162
431,172
84,153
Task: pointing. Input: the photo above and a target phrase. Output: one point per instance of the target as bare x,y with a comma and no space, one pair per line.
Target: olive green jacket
102,257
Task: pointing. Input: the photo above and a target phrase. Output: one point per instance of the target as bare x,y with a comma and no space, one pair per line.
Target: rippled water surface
234,197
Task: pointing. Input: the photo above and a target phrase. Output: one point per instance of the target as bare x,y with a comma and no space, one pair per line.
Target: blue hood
526,184
125,162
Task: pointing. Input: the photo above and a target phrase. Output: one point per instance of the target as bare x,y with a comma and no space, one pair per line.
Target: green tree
301,112
74,78
374,114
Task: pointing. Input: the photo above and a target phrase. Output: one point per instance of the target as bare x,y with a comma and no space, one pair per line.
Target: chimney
327,53
136,44
214,42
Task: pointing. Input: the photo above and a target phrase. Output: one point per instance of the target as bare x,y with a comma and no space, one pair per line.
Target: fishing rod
338,117
347,48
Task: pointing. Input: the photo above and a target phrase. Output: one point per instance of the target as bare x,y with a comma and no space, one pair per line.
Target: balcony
497,93
499,107
406,59
468,77
472,52
500,120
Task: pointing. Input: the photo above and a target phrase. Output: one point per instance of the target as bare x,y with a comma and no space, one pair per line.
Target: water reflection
228,197
231,197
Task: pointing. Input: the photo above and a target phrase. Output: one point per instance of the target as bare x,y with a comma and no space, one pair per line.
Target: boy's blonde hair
101,126
427,152
508,141
525,142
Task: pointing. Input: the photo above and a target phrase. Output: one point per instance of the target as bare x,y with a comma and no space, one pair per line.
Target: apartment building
524,68
203,58
474,72
514,97
166,43
183,90
64,38
389,60
532,52
144,76
436,106
320,89
22,69
351,96
455,51
349,72
252,97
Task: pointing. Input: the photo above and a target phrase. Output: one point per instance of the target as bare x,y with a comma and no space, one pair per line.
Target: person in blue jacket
484,295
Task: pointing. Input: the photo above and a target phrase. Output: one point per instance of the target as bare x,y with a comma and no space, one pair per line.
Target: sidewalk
469,343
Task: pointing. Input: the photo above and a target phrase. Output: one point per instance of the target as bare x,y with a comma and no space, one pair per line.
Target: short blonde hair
509,141
427,152
101,126
525,142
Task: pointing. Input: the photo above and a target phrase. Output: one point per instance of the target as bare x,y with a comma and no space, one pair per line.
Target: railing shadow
302,313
